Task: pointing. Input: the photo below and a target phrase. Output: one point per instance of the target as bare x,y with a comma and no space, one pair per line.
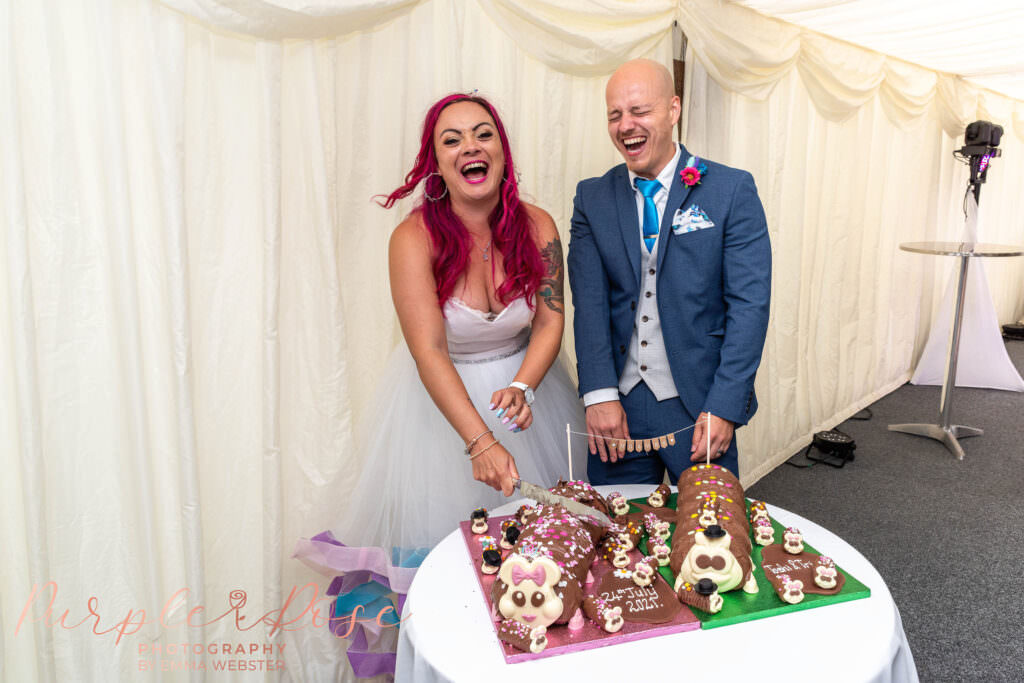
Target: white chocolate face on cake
620,559
612,619
661,553
662,531
707,517
643,574
757,511
619,504
530,596
794,541
625,541
656,500
792,590
711,559
825,573
764,534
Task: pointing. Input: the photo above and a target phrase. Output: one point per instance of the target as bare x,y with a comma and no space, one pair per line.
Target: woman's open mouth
475,172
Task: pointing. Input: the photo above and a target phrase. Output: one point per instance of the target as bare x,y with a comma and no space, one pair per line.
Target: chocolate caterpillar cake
712,535
543,580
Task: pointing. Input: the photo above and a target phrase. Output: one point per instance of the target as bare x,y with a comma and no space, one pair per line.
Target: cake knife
542,495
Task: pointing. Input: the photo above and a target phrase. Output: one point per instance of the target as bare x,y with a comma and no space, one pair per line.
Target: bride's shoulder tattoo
550,290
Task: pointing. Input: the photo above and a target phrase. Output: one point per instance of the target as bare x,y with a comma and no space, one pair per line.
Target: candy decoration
478,521
703,595
793,541
792,589
491,561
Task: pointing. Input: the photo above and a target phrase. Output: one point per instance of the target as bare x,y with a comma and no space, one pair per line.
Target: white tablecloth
446,634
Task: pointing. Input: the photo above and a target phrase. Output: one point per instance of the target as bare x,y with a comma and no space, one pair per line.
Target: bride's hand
513,402
497,468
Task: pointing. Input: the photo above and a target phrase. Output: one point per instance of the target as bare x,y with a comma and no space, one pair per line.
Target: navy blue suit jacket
713,284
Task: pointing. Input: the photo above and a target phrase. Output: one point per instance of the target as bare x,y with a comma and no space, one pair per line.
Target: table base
947,435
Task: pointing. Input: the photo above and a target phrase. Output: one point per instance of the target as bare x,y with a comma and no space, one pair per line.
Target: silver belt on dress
504,354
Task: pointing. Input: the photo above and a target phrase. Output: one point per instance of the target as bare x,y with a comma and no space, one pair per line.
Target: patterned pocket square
691,220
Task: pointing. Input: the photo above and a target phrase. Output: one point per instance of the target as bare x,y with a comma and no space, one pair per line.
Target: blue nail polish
518,429
501,412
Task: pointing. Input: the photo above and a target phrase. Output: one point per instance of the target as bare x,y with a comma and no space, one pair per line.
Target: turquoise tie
649,188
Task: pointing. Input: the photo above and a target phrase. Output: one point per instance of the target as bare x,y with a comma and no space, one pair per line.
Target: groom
670,269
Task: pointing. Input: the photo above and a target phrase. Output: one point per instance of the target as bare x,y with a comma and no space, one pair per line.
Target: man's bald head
642,109
647,70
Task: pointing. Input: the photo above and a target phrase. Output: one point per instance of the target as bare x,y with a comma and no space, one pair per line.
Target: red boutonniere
693,171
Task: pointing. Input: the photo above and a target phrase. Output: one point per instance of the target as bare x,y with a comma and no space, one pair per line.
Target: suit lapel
676,196
629,222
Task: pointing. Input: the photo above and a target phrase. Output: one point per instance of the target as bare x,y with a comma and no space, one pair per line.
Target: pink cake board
560,639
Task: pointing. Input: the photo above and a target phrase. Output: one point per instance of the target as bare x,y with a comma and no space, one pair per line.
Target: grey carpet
946,535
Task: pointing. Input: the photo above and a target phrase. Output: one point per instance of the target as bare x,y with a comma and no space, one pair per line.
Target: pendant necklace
485,250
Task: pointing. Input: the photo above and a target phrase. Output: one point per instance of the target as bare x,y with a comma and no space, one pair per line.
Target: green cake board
738,606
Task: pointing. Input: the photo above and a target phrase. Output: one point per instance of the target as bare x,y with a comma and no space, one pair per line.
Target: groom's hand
722,431
606,421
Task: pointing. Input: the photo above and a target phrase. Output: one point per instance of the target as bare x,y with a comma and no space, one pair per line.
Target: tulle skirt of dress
417,483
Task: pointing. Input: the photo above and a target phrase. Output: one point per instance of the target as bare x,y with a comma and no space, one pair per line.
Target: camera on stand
981,145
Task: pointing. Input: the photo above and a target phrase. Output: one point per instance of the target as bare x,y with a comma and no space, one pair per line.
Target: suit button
622,348
647,294
651,271
632,305
644,319
643,344
644,368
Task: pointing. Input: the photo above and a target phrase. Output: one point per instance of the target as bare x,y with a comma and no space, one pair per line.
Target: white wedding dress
417,483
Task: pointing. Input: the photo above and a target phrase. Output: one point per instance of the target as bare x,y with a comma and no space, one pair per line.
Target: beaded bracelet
481,451
476,438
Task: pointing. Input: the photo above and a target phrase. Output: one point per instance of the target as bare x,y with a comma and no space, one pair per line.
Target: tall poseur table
945,432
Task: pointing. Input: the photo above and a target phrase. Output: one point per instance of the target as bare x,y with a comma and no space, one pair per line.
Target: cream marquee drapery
193,291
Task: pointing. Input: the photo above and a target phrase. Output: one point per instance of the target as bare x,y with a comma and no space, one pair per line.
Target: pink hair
510,224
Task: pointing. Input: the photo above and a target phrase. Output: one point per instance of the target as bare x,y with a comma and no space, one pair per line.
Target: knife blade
542,495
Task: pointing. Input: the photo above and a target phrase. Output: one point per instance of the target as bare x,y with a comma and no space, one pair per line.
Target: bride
477,396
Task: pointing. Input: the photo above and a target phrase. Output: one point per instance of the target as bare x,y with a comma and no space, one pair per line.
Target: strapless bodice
475,335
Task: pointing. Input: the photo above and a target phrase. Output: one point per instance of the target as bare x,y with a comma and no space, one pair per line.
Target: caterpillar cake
543,557
542,581
712,536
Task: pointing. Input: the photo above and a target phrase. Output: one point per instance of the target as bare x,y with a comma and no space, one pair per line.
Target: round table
944,432
446,634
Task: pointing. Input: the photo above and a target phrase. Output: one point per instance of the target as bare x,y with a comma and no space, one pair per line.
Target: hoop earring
427,195
519,177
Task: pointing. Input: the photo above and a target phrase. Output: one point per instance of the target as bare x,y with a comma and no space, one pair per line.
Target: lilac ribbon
327,555
354,569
